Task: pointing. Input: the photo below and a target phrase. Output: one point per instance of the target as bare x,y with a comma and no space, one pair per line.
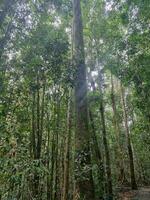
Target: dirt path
142,194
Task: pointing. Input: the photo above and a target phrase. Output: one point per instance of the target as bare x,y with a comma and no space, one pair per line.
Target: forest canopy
74,99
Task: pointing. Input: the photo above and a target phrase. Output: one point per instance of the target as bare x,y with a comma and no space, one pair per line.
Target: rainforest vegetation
74,99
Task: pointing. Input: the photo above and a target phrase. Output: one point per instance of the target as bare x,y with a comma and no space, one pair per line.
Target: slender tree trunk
99,160
97,149
67,152
42,116
36,175
121,177
38,118
48,161
56,195
57,171
52,167
33,141
62,162
102,111
84,181
130,151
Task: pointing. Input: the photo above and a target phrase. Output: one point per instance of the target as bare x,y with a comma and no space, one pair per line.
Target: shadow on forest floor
142,193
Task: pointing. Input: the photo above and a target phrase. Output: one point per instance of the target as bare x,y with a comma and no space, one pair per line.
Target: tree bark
98,155
57,129
107,155
84,181
130,151
48,160
99,159
120,164
33,140
67,152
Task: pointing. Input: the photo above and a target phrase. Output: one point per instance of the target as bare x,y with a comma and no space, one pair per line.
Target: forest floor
142,193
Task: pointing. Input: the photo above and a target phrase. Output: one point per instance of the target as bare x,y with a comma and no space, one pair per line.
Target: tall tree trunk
38,118
52,166
130,151
36,175
121,175
96,147
67,152
99,159
84,181
102,110
57,171
48,160
33,140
